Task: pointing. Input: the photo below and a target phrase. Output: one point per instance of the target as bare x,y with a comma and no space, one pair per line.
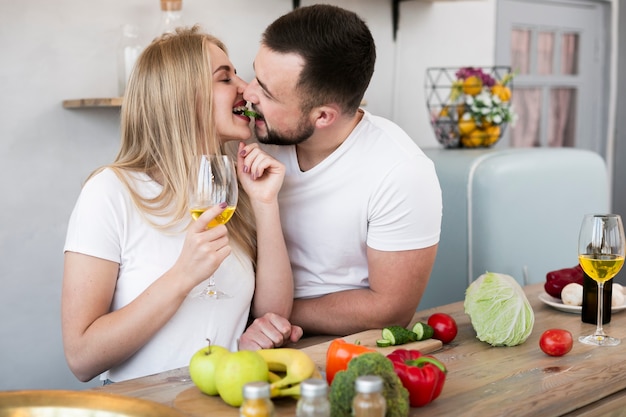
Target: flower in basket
476,110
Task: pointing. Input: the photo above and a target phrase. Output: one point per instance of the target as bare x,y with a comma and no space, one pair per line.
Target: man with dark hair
361,203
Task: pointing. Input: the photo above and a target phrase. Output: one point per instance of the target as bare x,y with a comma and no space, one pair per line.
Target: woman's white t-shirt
377,189
105,223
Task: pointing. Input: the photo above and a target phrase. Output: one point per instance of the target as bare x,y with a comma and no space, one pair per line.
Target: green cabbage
499,310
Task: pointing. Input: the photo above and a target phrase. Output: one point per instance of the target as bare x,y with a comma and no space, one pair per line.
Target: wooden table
482,380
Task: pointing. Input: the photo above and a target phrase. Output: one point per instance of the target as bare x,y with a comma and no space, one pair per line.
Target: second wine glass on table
601,255
214,182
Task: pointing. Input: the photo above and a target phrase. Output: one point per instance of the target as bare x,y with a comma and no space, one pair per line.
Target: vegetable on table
423,376
423,330
499,310
572,294
339,354
342,390
444,327
557,280
398,335
556,342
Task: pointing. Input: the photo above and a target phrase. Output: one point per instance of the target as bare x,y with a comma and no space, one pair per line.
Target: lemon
493,134
504,93
473,140
466,125
472,85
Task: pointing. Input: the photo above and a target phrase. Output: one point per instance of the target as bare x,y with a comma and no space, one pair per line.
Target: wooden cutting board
192,402
368,338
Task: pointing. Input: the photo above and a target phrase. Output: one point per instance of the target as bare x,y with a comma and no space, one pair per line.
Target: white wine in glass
601,256
214,182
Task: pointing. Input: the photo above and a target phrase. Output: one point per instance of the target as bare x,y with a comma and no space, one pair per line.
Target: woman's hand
268,332
260,175
204,249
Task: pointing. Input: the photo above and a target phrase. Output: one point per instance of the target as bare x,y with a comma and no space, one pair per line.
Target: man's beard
304,131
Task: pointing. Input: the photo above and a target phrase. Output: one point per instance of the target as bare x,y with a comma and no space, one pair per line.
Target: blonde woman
132,252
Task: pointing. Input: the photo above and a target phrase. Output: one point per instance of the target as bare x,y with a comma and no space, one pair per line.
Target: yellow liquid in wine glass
601,268
221,218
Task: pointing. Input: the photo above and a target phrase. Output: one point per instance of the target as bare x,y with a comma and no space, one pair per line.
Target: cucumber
423,330
383,343
398,335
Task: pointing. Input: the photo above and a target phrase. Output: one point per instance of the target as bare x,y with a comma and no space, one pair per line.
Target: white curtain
528,102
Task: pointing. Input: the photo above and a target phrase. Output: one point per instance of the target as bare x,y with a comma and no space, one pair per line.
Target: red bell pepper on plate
339,354
423,376
556,280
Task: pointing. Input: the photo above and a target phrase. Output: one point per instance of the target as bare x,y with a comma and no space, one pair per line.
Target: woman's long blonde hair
166,120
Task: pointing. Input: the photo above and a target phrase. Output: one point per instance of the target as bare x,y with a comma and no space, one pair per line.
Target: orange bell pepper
339,354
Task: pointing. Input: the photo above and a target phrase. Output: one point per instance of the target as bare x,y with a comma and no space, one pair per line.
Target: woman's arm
262,176
95,339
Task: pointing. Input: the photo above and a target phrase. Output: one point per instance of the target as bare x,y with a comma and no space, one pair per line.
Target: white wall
437,34
51,51
63,49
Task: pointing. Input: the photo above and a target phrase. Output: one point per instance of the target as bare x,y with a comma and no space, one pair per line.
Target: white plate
558,304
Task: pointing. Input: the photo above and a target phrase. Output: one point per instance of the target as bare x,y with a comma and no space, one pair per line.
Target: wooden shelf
84,103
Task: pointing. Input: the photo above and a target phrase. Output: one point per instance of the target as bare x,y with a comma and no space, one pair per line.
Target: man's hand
269,331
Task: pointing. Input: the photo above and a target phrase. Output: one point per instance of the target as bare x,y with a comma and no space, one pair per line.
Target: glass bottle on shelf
313,400
127,53
171,16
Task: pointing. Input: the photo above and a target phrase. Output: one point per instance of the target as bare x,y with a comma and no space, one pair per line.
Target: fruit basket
469,107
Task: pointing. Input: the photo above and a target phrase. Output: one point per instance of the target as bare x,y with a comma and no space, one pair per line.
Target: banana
296,365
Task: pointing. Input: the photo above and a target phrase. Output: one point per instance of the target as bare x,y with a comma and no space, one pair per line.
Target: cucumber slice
383,343
398,335
423,330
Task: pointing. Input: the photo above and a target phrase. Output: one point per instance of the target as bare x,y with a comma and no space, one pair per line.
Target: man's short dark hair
338,50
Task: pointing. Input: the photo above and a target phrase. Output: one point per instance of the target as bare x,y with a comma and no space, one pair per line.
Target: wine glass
214,182
601,255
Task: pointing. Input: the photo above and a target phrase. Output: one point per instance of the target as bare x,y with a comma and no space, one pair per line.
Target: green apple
202,367
236,370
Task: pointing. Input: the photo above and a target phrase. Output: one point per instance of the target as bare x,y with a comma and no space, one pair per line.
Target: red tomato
444,327
556,342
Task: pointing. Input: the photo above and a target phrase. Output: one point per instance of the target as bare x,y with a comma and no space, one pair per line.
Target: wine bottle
589,313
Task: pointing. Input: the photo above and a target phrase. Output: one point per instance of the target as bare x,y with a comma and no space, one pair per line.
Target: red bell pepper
423,376
339,354
556,280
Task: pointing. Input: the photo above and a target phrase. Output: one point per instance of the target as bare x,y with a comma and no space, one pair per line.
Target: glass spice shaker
313,400
369,400
256,400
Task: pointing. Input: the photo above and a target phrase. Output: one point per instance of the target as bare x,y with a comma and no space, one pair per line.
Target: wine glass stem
210,288
599,330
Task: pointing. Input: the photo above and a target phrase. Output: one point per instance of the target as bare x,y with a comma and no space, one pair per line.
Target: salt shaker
369,400
313,400
256,400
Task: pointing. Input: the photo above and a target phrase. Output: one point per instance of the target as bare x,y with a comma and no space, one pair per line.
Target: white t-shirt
378,189
106,224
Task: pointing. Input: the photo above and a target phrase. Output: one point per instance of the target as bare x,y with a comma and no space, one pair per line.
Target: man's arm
397,282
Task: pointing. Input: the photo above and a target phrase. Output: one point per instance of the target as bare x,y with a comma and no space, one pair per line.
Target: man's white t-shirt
106,224
377,189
